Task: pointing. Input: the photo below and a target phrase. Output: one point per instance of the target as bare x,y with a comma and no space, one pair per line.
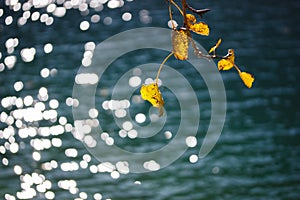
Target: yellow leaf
224,64
247,78
213,49
227,62
180,43
190,18
200,28
152,94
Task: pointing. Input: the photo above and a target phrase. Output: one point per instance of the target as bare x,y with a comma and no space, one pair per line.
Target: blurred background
42,46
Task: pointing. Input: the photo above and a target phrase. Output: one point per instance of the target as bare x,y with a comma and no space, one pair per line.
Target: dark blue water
256,157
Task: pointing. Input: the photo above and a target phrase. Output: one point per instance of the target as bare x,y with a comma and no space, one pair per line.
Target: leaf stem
171,17
175,4
161,66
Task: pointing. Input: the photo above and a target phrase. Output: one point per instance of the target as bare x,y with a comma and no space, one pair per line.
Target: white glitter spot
93,169
53,103
36,156
140,118
43,91
114,4
5,161
109,141
83,164
35,16
144,17
8,20
49,21
10,61
18,86
22,21
90,141
122,133
56,142
86,78
107,20
2,67
86,61
53,72
83,7
168,135
14,147
127,126
45,72
90,46
191,141
28,54
48,48
18,169
59,11
28,100
120,113
44,17
71,152
62,120
137,182
19,102
9,197
132,134
135,81
193,158
93,113
97,196
215,170
49,195
151,165
126,16
122,167
84,25
95,18
115,174
51,8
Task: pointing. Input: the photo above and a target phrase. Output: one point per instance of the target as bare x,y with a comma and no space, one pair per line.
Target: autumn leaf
227,62
213,49
199,28
190,18
247,78
180,43
152,94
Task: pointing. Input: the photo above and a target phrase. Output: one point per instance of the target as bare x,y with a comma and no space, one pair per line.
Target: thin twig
161,66
175,4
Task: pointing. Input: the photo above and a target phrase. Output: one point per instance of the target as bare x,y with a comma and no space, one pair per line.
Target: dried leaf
191,19
200,28
213,49
247,78
152,94
224,64
180,43
227,62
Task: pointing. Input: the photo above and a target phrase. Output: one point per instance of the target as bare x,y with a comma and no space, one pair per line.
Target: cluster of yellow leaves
180,44
227,62
152,94
181,37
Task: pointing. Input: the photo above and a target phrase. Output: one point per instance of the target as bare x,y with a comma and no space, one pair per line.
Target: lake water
41,156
